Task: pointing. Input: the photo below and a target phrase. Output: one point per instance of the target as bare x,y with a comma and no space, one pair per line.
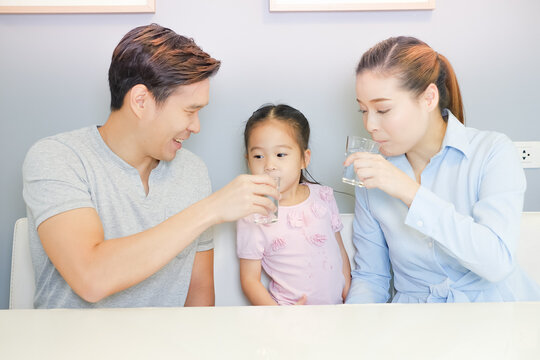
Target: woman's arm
371,275
346,265
483,241
250,278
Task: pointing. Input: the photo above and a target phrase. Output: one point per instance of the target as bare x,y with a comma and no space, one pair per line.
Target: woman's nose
370,123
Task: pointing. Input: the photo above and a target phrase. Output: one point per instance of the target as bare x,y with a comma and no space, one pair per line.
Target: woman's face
394,117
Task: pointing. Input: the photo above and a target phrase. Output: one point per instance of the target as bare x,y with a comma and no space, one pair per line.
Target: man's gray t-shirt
76,170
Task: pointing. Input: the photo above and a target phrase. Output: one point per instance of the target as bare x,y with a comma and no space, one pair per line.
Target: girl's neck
295,195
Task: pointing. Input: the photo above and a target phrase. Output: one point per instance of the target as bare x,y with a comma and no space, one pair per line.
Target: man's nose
195,125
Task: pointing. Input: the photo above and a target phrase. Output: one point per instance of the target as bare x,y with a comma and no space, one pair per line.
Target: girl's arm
346,265
250,278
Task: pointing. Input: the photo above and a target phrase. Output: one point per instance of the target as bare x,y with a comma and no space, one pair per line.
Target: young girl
302,252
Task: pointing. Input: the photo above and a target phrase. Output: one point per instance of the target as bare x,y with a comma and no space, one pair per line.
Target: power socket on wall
529,153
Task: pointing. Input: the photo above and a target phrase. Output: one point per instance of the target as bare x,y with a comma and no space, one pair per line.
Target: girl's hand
245,195
377,172
301,301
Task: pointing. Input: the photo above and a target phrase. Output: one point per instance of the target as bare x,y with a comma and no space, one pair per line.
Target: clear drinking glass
357,144
273,217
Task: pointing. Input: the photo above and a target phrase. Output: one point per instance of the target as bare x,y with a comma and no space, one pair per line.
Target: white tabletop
384,331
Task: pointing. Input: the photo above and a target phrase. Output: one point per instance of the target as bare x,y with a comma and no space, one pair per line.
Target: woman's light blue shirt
457,241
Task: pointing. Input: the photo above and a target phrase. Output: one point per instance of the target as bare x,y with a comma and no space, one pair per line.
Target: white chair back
528,250
22,284
226,268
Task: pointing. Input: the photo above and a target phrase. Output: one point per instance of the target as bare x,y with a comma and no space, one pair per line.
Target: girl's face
394,117
272,146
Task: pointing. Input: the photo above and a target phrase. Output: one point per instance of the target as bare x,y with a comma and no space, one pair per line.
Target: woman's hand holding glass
376,172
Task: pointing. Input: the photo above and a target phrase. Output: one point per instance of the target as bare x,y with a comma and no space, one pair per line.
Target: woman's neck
429,145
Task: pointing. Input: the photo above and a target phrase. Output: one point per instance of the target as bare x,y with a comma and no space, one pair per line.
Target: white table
384,331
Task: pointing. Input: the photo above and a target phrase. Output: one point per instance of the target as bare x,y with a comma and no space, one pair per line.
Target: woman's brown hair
417,66
158,58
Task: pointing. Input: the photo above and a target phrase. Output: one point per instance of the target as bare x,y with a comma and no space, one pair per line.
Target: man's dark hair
158,58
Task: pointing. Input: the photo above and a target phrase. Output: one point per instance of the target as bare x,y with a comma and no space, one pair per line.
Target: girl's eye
383,111
281,155
362,111
257,156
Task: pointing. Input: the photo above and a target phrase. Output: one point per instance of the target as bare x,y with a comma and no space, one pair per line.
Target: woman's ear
430,97
307,158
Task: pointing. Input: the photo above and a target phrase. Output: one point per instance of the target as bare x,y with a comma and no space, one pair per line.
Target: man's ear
307,158
139,99
430,97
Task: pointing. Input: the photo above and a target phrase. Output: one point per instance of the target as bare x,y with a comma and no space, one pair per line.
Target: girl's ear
307,158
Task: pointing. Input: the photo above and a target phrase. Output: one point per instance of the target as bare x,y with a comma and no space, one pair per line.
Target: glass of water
357,144
272,217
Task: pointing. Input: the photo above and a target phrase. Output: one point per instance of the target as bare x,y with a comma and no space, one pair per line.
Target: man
119,214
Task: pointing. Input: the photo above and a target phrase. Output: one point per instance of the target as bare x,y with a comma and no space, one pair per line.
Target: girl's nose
270,166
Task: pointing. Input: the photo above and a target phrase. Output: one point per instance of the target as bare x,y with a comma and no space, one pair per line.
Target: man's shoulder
70,139
62,147
186,159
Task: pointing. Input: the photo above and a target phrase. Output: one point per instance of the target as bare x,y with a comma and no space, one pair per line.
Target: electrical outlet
529,153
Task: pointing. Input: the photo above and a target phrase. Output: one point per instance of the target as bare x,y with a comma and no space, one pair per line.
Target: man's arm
201,287
95,268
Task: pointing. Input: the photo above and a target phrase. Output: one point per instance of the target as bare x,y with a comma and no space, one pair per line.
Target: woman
442,211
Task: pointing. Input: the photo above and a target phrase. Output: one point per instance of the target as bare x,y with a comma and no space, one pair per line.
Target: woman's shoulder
485,142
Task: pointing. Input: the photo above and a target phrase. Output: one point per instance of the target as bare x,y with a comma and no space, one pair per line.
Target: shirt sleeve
484,242
371,275
250,240
205,241
54,180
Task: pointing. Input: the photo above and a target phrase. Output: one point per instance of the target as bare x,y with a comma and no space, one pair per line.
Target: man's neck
120,133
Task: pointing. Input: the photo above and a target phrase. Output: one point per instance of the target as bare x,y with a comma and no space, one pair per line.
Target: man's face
175,120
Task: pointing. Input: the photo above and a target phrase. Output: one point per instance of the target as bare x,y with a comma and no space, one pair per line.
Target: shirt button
420,223
430,244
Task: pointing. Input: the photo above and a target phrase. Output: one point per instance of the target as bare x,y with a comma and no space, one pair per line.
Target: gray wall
53,78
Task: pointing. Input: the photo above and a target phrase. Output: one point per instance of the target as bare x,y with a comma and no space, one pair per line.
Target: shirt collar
456,135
